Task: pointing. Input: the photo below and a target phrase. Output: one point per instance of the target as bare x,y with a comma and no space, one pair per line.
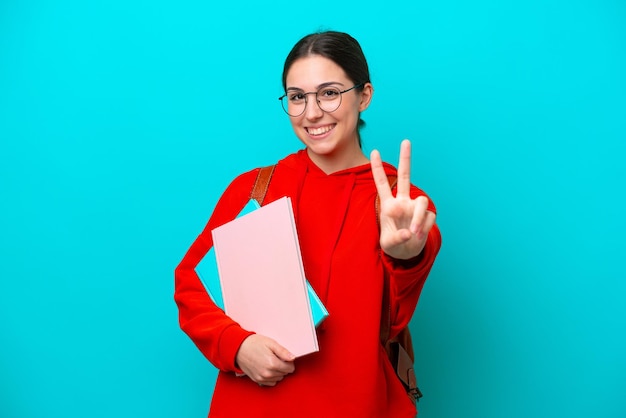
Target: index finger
380,178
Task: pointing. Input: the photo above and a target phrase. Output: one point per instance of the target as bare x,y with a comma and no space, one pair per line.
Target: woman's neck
334,162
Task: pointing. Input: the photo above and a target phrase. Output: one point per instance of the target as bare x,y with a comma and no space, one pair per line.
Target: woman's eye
296,97
329,93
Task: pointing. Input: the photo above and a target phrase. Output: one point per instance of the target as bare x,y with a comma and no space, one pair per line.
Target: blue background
122,122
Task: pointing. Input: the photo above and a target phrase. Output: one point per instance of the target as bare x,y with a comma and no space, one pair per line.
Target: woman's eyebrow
329,83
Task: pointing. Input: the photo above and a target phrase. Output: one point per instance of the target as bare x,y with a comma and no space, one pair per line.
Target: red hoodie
350,376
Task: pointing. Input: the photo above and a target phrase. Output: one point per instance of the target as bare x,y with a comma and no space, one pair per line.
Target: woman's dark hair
338,47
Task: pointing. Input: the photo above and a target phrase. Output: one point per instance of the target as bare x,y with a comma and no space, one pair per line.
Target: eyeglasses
327,98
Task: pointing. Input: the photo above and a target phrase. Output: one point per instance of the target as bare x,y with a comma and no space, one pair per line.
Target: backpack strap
262,183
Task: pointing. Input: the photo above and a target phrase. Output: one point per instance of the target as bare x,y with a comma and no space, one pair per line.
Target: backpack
399,349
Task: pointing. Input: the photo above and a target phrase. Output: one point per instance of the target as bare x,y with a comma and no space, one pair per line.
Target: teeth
320,130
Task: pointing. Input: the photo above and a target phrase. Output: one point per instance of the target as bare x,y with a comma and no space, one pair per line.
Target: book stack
254,273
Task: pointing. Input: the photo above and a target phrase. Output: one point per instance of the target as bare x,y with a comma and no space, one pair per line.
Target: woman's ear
366,96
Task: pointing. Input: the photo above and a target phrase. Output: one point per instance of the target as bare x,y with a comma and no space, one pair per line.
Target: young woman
347,248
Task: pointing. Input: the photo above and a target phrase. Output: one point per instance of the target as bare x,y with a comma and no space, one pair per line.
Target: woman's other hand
404,222
264,360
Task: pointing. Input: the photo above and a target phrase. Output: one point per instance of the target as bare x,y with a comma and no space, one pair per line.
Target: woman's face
330,137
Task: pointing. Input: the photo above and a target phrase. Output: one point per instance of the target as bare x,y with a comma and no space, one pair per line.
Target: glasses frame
306,101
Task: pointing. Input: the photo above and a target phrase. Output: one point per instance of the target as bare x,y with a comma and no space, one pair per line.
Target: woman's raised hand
404,222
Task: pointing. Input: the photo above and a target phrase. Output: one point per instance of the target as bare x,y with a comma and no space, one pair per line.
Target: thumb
282,353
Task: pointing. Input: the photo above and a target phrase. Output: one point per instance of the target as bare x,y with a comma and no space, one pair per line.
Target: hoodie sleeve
215,334
407,277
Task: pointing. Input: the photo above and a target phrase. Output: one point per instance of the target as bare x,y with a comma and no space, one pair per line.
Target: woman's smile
320,131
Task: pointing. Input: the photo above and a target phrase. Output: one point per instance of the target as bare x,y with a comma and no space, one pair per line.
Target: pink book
262,278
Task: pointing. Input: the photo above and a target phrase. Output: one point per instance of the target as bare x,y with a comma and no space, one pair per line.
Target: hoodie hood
301,160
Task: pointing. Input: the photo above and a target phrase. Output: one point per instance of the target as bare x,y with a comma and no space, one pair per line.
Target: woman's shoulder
243,182
294,160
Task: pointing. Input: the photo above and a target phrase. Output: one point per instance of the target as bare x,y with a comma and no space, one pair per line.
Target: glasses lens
293,103
329,99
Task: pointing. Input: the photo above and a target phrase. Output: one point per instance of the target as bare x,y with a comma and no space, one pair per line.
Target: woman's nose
313,109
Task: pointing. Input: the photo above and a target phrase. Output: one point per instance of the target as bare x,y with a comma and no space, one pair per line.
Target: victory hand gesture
404,222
